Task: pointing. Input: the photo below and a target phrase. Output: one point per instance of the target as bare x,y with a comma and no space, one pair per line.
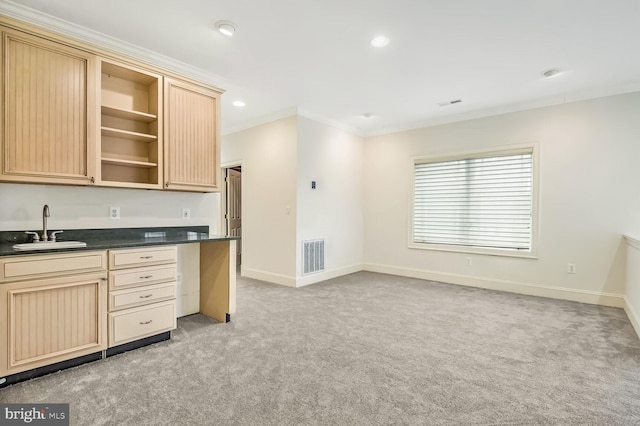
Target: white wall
267,154
588,198
632,282
334,210
77,207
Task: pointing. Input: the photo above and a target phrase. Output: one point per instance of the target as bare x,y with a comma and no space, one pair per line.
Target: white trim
563,293
633,242
270,277
330,122
87,35
265,119
327,275
578,96
633,315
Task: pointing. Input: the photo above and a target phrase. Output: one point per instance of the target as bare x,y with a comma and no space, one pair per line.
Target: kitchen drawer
137,323
130,258
131,297
125,278
18,268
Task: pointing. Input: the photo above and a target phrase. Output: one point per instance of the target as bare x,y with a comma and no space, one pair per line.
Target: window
482,201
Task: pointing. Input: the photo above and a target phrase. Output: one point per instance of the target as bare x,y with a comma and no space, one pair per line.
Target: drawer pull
146,296
146,322
146,257
146,277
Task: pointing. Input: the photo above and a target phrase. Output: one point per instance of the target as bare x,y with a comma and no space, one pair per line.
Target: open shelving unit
130,126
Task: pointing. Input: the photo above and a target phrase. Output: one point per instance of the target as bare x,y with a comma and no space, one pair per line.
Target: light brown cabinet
191,129
142,298
48,91
77,114
49,320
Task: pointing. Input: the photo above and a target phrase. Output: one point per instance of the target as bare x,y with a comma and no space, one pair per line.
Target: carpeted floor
367,349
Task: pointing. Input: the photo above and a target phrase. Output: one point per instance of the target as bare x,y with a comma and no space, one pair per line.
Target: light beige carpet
368,349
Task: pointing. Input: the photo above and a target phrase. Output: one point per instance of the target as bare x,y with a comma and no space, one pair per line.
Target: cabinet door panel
52,320
192,155
47,90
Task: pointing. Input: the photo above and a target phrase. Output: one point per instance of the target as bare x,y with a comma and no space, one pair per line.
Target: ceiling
314,56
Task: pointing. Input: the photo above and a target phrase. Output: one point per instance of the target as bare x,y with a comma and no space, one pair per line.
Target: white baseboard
633,315
584,296
327,275
290,281
270,277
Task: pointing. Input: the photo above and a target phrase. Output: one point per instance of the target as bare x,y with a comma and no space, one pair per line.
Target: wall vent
312,256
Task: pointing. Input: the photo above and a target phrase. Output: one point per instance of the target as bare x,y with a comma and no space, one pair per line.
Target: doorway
233,207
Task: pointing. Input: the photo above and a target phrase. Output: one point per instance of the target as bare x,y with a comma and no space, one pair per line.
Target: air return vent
312,256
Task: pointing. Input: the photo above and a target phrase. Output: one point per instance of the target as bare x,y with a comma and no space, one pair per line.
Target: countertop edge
7,250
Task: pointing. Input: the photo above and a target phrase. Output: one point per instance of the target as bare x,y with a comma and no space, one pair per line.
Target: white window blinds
482,201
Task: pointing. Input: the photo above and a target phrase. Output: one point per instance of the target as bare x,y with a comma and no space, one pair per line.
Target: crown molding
66,28
578,96
329,122
264,119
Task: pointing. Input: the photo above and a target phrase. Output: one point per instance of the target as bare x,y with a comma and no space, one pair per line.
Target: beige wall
588,198
267,154
334,210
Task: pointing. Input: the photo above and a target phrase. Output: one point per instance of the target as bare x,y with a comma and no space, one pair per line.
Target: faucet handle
52,238
36,237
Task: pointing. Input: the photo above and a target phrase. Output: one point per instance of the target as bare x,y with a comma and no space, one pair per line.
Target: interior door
234,208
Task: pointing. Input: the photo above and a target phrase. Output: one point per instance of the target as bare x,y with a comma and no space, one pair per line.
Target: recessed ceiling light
238,104
380,41
551,72
227,28
367,115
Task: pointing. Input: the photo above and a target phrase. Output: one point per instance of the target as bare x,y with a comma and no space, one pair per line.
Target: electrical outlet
467,260
571,268
186,213
114,213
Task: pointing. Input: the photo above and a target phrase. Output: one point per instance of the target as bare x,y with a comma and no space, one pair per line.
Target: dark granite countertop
102,239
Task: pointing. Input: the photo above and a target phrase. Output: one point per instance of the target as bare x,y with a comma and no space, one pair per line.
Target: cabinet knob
167,184
93,180
146,322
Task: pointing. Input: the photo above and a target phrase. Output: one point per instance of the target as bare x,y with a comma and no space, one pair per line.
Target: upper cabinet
47,98
191,129
77,114
130,136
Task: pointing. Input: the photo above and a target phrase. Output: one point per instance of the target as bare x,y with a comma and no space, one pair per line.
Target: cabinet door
191,135
47,90
52,320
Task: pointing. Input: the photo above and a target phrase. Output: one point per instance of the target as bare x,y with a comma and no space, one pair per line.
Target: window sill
475,250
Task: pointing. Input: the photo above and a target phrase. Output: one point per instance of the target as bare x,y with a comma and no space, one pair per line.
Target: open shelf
130,126
131,163
126,134
128,114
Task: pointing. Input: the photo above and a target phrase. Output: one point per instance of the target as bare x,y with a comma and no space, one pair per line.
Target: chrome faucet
45,215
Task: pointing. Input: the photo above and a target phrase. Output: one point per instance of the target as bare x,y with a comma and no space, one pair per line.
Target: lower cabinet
59,307
142,299
52,320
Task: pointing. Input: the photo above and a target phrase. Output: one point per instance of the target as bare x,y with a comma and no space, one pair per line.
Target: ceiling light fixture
367,115
380,41
551,72
227,28
238,104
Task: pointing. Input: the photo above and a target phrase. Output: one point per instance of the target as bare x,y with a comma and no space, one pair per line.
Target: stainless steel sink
48,245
